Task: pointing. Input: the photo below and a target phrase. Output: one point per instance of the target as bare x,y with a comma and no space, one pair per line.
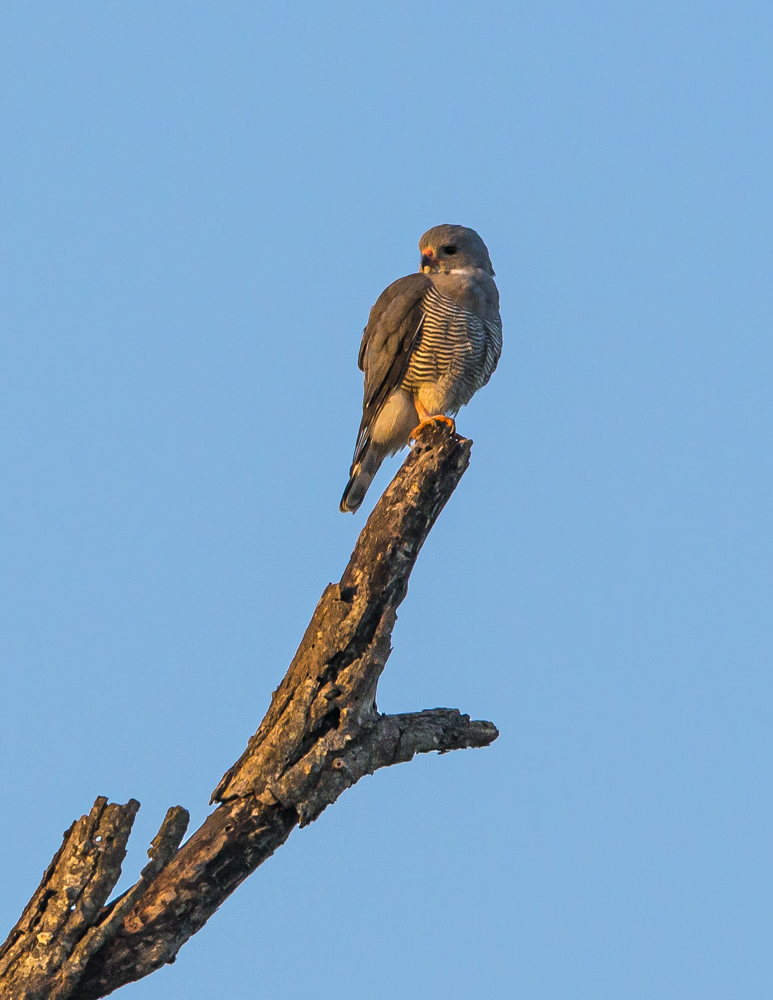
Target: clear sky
199,203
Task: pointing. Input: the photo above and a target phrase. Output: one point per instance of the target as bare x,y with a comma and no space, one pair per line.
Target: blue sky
199,203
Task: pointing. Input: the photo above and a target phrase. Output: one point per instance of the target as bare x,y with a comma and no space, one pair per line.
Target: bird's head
451,248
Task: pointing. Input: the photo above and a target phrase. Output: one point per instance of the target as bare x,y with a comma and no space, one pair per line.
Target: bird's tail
364,468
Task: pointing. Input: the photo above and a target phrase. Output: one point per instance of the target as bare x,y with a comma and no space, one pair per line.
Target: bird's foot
439,418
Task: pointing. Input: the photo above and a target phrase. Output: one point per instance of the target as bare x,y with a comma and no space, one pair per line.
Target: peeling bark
321,734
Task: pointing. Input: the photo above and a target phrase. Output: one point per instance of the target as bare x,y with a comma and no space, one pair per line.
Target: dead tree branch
321,734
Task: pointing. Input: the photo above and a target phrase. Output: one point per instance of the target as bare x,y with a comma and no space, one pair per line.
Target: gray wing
392,333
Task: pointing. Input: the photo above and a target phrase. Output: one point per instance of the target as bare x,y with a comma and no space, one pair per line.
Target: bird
432,340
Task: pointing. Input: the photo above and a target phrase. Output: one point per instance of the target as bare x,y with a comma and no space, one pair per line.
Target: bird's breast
454,353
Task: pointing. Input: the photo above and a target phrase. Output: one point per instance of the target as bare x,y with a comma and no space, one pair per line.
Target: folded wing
392,333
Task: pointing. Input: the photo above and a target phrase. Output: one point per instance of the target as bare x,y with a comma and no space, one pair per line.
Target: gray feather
433,338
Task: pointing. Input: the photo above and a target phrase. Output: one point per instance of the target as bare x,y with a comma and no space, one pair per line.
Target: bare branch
66,920
321,734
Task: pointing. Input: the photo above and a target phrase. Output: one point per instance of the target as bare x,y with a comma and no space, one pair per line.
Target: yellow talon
426,418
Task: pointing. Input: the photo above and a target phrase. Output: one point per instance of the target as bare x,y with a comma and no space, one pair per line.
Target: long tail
364,468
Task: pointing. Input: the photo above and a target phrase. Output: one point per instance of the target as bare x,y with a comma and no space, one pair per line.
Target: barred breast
456,355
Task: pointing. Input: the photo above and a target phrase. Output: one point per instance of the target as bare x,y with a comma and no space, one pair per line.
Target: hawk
432,340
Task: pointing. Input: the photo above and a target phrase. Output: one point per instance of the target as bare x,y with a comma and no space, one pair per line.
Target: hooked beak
428,260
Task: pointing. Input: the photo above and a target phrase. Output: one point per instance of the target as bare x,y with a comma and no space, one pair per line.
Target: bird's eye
449,250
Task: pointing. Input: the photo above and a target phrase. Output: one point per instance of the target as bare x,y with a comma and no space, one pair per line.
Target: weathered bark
321,734
66,922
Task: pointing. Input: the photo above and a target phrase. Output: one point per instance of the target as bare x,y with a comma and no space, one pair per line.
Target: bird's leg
427,418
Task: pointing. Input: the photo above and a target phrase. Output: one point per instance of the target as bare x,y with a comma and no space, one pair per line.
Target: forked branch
321,734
